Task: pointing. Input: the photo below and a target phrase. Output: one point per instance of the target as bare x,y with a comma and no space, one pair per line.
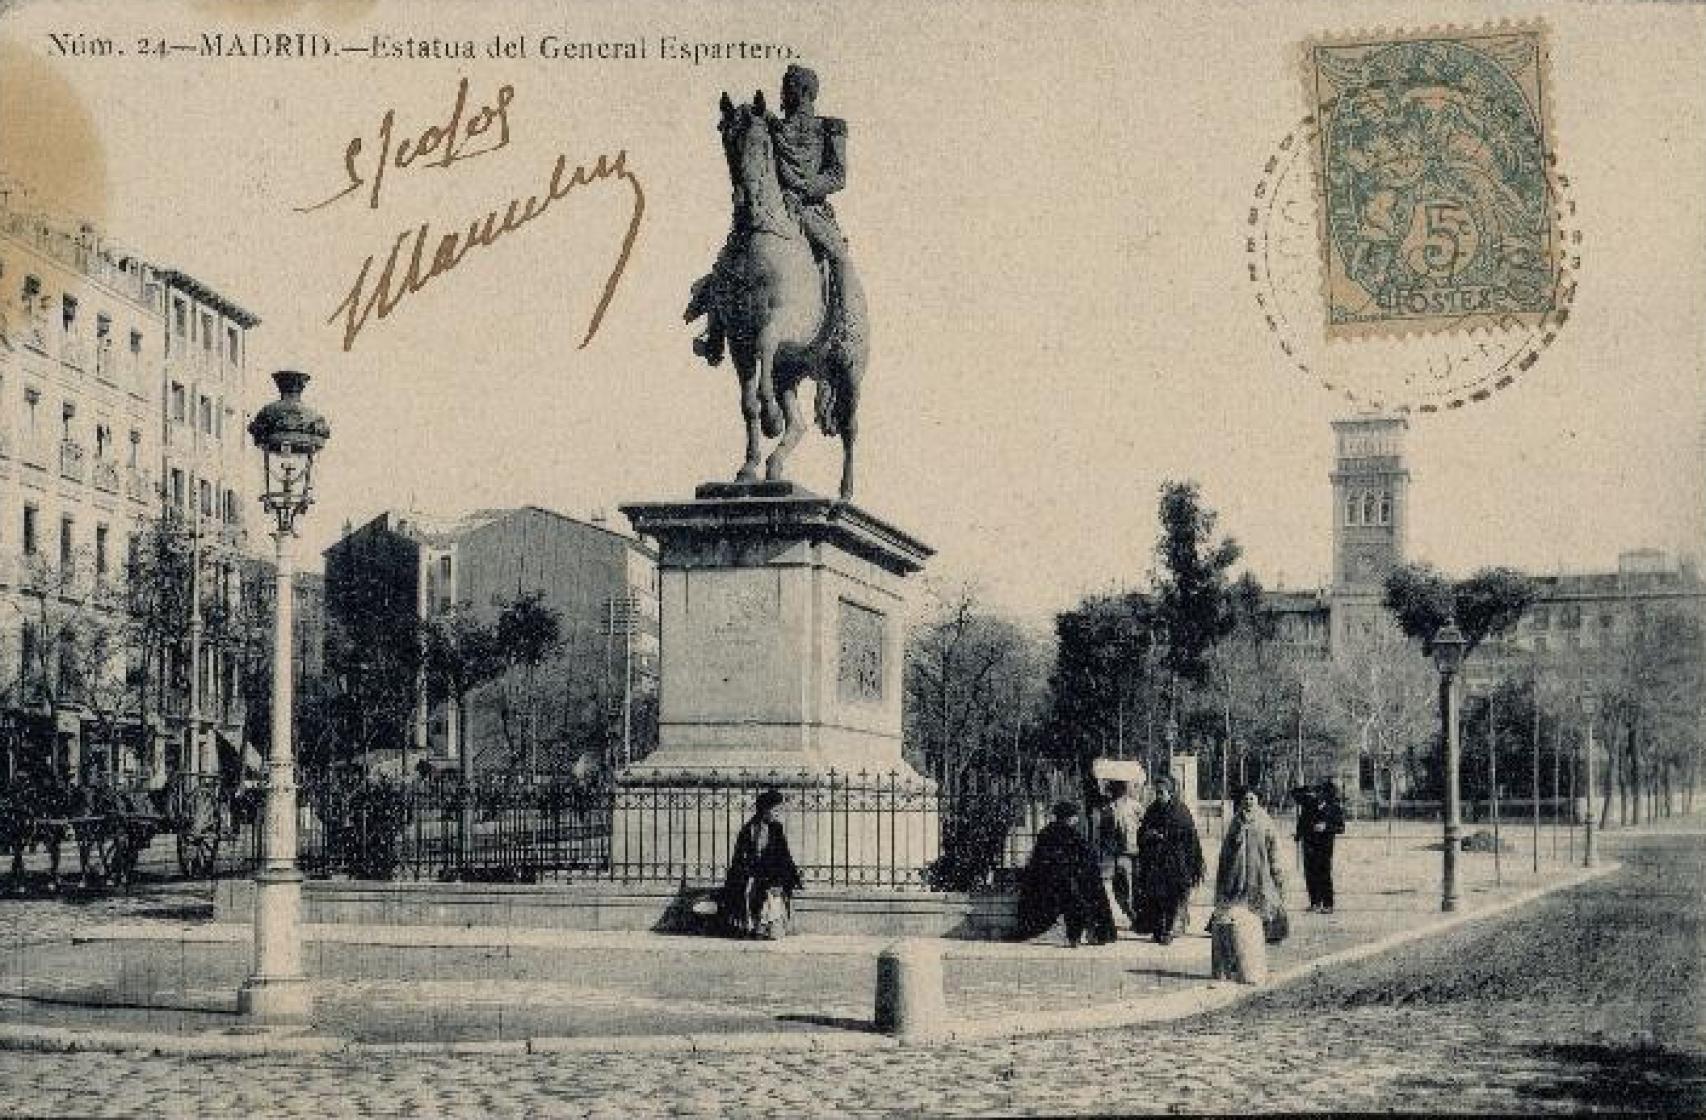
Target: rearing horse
786,321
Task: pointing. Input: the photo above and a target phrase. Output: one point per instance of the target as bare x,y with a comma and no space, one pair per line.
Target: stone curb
1211,996
1217,995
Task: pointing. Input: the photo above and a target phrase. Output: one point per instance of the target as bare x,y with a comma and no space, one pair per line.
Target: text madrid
669,48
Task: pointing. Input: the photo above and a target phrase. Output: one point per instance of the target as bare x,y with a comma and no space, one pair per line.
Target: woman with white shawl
1249,872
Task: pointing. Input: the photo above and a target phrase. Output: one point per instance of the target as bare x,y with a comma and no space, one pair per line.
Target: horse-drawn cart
112,826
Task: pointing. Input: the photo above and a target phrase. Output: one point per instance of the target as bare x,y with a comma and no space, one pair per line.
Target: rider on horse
811,163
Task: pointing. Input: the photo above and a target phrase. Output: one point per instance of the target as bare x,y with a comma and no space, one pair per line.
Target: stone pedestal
782,635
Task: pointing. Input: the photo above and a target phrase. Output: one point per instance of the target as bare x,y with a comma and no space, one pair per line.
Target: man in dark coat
761,861
1064,880
1319,820
1169,861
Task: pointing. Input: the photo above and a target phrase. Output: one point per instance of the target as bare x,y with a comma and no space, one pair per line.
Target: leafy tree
1195,600
373,644
1486,604
459,653
1102,690
528,632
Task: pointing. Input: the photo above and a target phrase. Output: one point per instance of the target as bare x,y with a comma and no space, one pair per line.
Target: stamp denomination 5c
1432,169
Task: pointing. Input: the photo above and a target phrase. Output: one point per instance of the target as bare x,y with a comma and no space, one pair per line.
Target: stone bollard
909,989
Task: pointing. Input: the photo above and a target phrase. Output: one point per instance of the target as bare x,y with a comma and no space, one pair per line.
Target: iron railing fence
847,830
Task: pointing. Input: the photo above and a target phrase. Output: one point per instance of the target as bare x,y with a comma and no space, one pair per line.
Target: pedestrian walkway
162,981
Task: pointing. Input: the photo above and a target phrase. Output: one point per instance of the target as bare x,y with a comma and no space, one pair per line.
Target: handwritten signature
463,136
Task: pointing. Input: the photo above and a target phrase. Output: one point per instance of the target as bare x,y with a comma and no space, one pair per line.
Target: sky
1048,207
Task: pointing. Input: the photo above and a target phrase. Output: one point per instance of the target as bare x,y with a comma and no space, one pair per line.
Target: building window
67,413
180,322
132,553
207,415
206,331
1386,507
1607,620
27,652
100,550
444,568
32,398
30,542
135,444
1570,618
68,312
136,343
67,537
32,292
1540,645
1368,511
232,351
1353,506
178,489
179,405
206,492
1541,618
103,329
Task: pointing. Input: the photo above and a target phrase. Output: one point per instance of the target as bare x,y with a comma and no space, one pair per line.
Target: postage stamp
1432,180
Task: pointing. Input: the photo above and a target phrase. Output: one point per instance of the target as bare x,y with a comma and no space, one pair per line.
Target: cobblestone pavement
41,917
1587,1000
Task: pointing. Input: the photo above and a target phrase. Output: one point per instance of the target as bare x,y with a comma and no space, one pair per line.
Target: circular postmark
1398,372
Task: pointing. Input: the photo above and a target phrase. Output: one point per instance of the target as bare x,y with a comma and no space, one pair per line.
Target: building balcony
106,363
136,486
74,352
34,331
105,476
73,461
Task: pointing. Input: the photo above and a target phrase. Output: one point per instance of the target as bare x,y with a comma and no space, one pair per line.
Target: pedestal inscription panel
860,674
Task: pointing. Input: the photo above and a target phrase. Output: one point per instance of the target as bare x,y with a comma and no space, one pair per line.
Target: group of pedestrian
1157,861
1156,856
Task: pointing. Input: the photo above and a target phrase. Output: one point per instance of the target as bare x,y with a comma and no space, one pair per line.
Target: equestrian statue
783,297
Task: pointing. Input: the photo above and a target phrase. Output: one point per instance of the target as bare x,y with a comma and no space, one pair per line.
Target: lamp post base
275,999
277,990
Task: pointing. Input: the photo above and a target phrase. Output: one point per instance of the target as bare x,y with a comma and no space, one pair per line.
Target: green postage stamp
1434,180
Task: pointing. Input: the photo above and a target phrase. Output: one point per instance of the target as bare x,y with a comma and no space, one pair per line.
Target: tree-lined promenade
1198,657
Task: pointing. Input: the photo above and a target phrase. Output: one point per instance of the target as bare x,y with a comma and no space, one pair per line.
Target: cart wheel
199,833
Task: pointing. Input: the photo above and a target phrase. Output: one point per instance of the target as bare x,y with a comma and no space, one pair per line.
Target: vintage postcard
865,558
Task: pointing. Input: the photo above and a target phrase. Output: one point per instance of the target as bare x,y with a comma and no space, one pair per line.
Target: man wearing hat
1320,819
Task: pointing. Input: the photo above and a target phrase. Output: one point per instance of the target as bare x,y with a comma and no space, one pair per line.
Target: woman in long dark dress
760,865
1169,862
1064,880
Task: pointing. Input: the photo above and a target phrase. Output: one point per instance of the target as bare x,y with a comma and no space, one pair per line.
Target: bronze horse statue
786,319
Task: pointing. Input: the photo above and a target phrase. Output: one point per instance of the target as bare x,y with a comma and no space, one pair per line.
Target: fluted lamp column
289,434
1447,648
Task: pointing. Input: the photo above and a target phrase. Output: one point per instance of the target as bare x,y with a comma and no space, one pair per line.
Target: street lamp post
1590,707
289,434
1448,649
